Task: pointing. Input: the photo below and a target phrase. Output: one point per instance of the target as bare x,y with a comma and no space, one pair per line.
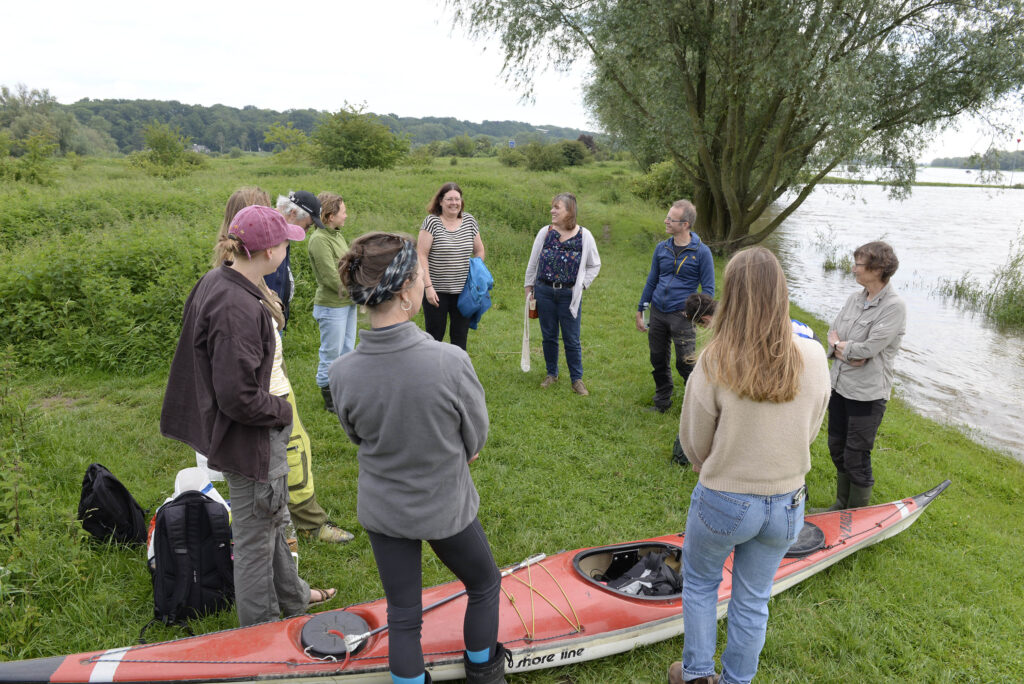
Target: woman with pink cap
218,401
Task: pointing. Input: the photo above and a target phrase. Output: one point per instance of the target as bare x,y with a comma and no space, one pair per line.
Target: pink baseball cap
258,228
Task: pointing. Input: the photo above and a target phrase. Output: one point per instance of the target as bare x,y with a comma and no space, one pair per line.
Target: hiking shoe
579,388
330,533
548,381
658,408
675,676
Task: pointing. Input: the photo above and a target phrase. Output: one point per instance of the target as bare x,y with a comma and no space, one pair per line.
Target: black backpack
107,510
192,567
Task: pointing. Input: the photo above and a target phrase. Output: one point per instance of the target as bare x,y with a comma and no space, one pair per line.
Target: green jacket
326,247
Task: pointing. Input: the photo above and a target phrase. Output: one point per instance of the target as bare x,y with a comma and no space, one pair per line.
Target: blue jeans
760,529
553,312
337,336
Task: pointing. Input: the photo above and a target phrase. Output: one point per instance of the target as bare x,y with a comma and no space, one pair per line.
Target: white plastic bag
524,357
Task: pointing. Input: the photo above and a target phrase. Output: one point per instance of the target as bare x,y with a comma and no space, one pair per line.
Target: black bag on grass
192,573
107,510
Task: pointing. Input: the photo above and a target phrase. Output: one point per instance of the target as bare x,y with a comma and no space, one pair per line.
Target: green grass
940,602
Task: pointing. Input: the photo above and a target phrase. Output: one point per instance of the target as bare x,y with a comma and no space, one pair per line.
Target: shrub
36,165
511,157
112,303
291,144
543,157
574,152
663,184
165,153
421,157
351,139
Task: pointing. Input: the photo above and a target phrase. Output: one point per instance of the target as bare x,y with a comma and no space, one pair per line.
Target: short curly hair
878,256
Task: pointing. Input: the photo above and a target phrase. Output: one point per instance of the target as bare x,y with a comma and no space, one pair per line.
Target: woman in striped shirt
448,238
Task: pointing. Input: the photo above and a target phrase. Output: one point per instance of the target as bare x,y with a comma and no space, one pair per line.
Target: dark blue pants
553,312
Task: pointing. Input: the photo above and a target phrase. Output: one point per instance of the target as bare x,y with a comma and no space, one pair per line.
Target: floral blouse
560,261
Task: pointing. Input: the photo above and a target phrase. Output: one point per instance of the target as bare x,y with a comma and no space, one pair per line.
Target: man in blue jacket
680,266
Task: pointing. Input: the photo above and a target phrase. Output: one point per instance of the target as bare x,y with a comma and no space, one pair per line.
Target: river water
954,366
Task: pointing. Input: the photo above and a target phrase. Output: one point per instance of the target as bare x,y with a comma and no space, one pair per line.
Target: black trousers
468,555
669,329
435,319
852,427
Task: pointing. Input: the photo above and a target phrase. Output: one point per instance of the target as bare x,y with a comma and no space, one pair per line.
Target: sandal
318,596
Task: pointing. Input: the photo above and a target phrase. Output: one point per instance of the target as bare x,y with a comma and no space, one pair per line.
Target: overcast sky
398,56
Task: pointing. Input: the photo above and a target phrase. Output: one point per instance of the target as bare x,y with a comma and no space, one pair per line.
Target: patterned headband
401,268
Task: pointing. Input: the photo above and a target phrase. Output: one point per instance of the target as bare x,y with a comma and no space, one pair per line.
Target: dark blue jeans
553,312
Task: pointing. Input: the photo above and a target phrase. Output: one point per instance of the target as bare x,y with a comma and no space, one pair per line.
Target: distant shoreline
835,180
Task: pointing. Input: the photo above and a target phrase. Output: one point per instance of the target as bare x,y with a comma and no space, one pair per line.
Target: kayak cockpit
643,570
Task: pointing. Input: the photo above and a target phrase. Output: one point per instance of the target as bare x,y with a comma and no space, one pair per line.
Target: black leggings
468,555
435,319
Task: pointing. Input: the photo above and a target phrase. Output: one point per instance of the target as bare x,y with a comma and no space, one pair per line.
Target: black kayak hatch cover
324,635
810,539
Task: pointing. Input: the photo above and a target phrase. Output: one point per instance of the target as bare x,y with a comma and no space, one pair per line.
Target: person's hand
833,337
696,468
529,293
640,322
856,364
473,458
431,294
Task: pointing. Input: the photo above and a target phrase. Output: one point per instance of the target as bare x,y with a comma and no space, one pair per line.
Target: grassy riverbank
940,602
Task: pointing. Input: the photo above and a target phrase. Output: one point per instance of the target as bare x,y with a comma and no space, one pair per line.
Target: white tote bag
524,358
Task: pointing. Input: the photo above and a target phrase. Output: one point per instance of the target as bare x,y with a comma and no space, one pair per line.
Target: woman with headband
416,410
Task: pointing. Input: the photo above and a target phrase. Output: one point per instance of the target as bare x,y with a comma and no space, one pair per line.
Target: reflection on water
954,366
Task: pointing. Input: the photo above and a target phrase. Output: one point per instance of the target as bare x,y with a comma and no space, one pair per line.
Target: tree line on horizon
112,126
992,160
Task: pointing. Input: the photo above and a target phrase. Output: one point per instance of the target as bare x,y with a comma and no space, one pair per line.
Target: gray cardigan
416,409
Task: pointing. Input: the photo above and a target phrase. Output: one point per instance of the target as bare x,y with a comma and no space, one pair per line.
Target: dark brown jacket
218,400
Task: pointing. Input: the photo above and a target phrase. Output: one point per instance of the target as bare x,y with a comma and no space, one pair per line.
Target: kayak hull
553,613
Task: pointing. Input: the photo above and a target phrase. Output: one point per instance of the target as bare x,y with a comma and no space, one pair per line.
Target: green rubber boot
842,494
859,496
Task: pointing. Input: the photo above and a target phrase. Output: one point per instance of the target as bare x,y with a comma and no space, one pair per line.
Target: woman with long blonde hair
753,405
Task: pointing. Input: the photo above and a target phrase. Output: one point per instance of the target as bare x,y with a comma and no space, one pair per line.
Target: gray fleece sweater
416,410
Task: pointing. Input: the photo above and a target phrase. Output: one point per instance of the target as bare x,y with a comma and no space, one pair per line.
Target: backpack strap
216,514
176,534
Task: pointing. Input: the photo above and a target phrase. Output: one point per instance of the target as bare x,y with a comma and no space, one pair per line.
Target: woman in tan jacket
753,405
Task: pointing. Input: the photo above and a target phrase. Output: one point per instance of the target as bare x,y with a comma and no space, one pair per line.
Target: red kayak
555,610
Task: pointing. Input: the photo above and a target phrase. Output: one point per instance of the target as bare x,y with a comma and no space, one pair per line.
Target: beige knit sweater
754,447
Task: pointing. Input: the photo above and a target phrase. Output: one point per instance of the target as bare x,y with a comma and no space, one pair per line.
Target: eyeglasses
861,264
668,220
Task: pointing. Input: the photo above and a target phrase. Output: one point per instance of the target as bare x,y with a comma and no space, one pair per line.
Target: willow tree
755,101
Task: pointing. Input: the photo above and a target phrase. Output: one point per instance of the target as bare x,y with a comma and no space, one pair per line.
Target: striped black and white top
448,259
